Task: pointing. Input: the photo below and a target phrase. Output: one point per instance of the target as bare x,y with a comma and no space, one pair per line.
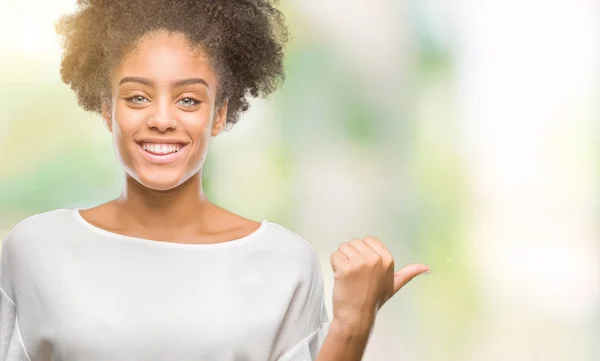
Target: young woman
161,273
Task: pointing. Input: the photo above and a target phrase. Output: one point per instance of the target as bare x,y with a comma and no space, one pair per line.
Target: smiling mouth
161,149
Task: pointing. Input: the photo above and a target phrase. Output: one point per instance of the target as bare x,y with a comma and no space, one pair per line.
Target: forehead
163,56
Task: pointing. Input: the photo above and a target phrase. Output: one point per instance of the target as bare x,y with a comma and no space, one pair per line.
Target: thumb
406,274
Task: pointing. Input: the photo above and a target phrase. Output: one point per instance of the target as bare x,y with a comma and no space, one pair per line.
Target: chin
159,182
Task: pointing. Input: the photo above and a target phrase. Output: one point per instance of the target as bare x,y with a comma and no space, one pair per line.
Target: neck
176,208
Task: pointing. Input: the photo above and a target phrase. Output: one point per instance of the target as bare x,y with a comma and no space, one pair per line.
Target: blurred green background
462,133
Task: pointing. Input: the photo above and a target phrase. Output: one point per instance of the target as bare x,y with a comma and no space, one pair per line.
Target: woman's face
162,114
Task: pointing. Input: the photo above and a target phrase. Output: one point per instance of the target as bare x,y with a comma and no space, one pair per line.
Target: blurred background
464,134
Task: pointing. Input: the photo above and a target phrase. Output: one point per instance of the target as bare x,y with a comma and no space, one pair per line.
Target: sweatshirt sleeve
11,343
307,349
303,331
11,348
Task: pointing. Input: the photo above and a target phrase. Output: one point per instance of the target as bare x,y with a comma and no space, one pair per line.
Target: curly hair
243,39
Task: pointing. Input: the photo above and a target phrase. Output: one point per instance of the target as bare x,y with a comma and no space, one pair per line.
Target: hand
365,280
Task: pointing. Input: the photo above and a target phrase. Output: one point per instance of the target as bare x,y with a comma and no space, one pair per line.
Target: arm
364,281
11,346
344,343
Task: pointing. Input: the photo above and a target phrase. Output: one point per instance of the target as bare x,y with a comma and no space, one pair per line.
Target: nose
163,118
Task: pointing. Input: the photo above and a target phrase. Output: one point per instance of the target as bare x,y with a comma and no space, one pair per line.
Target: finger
380,248
366,250
352,253
344,244
338,261
406,274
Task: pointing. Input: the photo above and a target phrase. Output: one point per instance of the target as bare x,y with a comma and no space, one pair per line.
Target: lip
161,141
162,159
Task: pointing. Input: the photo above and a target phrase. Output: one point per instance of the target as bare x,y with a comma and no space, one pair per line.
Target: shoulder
292,247
289,239
23,245
301,271
34,227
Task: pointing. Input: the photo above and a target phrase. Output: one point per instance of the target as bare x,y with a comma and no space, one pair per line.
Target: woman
161,273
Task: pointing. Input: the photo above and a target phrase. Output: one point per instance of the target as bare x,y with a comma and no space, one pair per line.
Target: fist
365,279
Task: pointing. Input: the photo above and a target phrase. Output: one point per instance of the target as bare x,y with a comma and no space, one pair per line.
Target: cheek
197,125
126,122
198,129
127,118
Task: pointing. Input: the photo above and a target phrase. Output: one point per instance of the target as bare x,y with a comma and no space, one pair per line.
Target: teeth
161,148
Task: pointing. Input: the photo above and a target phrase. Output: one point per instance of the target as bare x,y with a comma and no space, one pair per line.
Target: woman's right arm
11,342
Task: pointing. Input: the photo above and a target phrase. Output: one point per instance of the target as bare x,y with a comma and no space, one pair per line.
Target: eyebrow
183,82
134,79
176,84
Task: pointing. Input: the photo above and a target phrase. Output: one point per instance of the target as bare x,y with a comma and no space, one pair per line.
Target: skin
364,281
165,202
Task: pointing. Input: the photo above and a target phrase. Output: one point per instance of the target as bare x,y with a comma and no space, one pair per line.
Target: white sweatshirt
73,292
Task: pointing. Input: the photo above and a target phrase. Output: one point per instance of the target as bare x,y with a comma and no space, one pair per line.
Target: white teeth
161,148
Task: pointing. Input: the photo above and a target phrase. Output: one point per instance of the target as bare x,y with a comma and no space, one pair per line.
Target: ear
220,119
107,114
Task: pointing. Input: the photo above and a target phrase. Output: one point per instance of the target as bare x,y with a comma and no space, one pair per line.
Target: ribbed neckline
150,242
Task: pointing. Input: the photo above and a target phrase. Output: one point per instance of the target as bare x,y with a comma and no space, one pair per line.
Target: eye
138,99
188,102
